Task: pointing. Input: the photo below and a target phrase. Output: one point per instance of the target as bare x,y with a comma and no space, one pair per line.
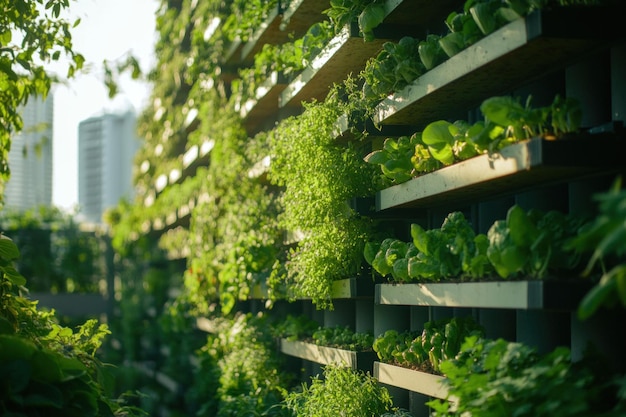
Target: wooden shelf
533,163
542,42
416,381
523,295
327,355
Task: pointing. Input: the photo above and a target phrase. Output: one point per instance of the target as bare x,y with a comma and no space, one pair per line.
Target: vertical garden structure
260,188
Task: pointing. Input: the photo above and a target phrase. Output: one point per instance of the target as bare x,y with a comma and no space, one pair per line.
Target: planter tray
522,295
327,355
529,163
542,42
416,381
347,53
264,106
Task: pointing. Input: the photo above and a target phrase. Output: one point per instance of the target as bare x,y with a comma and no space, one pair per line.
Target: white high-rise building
106,147
30,157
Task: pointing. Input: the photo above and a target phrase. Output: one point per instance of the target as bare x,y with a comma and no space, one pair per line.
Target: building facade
30,157
106,148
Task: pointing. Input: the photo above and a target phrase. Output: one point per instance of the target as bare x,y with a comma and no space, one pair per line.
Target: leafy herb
454,250
439,341
344,338
341,392
506,122
604,238
499,378
532,243
368,15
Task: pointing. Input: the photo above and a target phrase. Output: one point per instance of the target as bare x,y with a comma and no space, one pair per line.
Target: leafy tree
32,34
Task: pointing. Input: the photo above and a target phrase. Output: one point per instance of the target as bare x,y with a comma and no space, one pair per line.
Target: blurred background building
106,147
30,184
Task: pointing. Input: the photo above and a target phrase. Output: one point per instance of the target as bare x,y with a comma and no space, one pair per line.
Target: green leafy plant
439,341
368,15
46,368
315,201
343,337
532,243
396,66
603,237
497,378
452,251
506,121
341,392
295,328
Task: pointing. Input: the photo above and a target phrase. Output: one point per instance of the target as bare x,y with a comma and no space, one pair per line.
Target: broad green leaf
501,110
597,296
8,249
437,132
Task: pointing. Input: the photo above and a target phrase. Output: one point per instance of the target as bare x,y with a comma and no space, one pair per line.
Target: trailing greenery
56,254
603,237
48,369
341,392
315,201
249,379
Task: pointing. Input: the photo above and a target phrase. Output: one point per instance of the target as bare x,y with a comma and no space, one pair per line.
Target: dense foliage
500,378
48,369
341,391
56,254
33,33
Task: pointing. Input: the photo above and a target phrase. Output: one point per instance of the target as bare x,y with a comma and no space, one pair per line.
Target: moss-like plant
342,392
319,176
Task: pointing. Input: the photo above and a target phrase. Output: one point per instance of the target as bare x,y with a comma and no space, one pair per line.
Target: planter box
416,381
524,164
544,41
523,295
327,355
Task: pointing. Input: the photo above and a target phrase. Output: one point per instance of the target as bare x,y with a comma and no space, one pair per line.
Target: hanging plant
319,176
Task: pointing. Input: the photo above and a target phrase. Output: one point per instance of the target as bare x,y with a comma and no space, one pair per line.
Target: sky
109,29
